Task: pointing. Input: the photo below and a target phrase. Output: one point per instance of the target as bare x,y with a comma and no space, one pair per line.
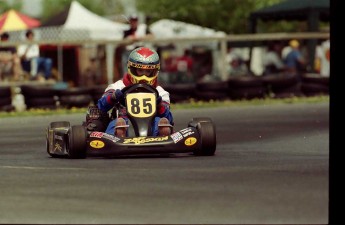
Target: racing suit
106,103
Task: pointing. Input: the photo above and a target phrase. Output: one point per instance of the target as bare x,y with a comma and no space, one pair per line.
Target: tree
6,5
230,16
100,7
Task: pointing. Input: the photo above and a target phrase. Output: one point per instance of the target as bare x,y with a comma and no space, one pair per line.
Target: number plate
141,105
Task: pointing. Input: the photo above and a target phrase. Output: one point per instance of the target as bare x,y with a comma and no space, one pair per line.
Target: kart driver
143,67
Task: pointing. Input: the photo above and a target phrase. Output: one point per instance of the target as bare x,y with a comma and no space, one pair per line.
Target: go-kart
80,141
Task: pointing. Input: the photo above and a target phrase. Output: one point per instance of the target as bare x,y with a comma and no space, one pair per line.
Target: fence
218,44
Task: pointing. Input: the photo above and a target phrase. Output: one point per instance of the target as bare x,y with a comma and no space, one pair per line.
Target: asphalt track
271,166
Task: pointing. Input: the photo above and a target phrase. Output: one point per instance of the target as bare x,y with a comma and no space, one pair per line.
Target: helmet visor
139,72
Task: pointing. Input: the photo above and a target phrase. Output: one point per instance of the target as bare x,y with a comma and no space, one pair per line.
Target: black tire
59,124
175,98
207,133
7,108
280,81
37,91
77,142
210,95
5,101
315,79
202,119
247,92
40,102
288,92
97,93
75,91
5,92
181,89
216,86
310,89
78,101
244,81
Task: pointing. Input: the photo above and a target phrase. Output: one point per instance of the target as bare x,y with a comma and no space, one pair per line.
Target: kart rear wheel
207,133
202,119
77,142
57,124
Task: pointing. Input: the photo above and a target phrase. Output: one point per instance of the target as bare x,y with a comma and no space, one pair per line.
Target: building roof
294,10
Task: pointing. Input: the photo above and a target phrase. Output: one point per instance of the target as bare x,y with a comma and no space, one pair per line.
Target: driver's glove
158,100
117,96
163,107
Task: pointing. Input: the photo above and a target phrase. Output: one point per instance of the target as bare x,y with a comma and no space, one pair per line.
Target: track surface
271,166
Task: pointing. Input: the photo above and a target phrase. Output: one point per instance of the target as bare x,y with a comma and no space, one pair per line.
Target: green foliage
230,16
192,103
6,5
100,7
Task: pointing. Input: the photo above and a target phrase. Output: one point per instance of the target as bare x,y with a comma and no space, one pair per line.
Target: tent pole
60,62
109,48
223,53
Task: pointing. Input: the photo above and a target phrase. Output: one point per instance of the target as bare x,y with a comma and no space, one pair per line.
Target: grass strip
190,104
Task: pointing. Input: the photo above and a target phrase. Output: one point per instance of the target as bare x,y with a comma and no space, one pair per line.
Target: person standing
9,60
31,60
323,55
294,61
272,62
134,34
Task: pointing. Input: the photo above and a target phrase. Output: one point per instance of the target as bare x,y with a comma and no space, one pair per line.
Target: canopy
312,11
166,28
13,20
78,18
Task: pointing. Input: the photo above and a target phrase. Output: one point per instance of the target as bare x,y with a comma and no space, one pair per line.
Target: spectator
182,67
135,33
236,64
31,60
323,57
272,61
294,60
92,75
9,60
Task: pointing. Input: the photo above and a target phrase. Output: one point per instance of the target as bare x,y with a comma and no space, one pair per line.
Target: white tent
166,28
80,18
76,23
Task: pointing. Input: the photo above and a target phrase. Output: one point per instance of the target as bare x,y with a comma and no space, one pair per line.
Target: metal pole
60,62
109,48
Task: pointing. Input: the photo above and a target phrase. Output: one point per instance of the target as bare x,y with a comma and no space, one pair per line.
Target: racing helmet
143,65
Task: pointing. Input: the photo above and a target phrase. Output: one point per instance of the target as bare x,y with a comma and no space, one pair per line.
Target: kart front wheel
77,142
207,133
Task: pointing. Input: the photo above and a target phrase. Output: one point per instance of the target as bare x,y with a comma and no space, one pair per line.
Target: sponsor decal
176,137
104,135
187,132
57,147
190,141
96,134
57,137
97,144
141,140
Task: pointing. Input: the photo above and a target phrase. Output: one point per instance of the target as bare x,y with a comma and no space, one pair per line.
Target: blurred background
209,49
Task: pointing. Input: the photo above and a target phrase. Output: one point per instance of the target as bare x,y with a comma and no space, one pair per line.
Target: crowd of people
26,62
280,57
23,61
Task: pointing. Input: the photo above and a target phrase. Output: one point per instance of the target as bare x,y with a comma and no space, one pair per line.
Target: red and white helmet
146,59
